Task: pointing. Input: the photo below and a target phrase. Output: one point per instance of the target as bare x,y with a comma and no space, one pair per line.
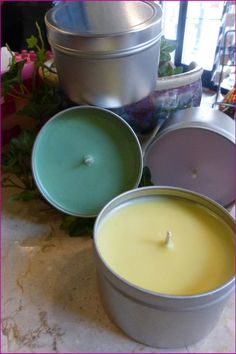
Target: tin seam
107,54
154,20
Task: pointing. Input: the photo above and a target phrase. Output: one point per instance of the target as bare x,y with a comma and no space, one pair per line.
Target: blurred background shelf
227,59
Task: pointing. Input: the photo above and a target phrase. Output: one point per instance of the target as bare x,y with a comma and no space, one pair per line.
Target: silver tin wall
106,53
152,318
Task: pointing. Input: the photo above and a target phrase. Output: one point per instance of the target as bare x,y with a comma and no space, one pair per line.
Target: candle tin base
154,319
160,325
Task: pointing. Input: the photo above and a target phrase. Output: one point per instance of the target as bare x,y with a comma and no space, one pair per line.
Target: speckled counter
50,299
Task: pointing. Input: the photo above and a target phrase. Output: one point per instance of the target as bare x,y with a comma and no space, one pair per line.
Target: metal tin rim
162,133
59,37
33,167
137,28
166,189
170,126
187,116
105,54
199,125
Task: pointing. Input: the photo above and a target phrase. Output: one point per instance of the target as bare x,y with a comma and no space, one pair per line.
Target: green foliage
41,57
76,226
23,143
24,196
38,45
44,103
19,150
16,160
166,68
11,80
32,42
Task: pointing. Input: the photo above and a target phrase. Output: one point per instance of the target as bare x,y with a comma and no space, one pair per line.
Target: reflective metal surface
103,26
84,16
200,117
151,318
115,123
195,149
106,53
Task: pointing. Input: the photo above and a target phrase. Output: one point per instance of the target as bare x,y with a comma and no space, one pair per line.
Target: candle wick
194,174
88,160
169,240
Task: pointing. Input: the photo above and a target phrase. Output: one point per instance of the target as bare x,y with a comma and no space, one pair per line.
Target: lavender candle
195,150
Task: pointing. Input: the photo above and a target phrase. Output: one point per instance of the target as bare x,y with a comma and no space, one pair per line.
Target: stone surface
50,299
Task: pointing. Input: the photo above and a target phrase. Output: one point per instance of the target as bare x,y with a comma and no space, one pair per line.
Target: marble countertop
50,299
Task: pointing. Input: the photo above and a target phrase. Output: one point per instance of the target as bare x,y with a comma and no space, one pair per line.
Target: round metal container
152,318
195,149
106,52
83,157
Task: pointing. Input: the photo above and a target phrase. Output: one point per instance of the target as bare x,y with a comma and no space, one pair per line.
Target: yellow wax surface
131,241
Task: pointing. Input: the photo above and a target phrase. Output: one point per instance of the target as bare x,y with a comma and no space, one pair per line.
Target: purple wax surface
196,159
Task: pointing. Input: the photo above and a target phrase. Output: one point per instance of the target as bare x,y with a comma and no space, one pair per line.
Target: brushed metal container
195,149
152,318
126,138
106,52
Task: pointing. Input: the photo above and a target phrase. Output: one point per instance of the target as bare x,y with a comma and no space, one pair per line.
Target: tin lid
83,157
103,26
194,149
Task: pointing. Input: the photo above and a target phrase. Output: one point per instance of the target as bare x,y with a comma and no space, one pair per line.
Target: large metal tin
194,149
106,52
151,318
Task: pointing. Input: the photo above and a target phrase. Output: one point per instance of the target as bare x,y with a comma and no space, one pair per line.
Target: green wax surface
61,148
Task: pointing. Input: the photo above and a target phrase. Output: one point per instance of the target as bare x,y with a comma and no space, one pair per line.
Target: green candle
83,157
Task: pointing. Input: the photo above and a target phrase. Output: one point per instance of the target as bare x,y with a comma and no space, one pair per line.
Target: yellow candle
167,245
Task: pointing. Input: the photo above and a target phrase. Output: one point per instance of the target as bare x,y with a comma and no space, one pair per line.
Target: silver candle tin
106,52
115,123
152,318
195,149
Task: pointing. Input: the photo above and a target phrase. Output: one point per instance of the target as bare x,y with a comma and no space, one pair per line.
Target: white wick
88,160
169,240
194,174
